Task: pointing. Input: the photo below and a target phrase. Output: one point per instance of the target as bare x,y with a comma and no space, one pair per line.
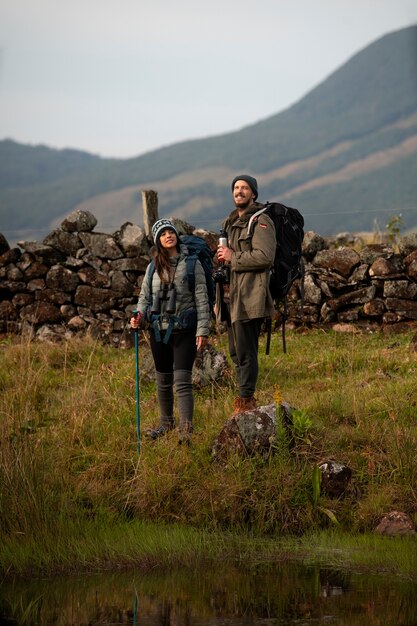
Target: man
249,254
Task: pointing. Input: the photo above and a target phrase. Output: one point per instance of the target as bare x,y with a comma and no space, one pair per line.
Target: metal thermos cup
223,239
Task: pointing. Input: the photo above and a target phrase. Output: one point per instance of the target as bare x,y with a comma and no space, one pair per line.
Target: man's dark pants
243,347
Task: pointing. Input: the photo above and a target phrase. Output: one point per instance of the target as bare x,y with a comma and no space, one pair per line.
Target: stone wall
374,284
79,281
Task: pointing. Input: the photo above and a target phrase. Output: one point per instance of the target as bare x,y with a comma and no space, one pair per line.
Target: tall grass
69,462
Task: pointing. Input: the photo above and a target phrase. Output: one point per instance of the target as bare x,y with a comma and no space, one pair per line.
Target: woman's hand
201,342
136,320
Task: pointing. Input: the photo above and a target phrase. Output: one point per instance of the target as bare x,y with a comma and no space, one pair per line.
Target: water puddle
284,595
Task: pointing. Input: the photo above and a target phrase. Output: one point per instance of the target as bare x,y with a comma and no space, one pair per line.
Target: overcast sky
123,77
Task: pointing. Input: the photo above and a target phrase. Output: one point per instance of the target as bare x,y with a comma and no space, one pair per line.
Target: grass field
75,492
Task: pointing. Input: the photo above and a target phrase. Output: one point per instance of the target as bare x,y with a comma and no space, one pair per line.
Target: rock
351,315
93,277
12,255
52,333
247,432
343,260
67,243
4,244
370,253
40,313
68,311
101,245
344,328
132,240
77,323
210,366
400,289
35,284
61,278
11,286
35,270
13,272
312,243
360,296
335,477
360,274
183,228
385,267
52,295
94,298
79,221
42,253
23,299
120,285
312,293
7,310
394,524
374,308
408,244
404,308
132,264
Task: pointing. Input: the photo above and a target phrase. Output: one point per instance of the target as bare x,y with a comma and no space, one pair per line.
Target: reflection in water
282,595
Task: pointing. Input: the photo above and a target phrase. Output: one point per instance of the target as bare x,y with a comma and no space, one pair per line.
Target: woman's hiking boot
184,434
155,433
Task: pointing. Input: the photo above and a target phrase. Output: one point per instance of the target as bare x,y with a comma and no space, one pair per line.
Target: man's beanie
252,182
160,226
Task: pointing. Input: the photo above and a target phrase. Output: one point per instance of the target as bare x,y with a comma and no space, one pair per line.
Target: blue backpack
199,249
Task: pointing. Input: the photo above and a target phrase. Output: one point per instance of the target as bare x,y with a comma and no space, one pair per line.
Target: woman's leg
163,359
184,355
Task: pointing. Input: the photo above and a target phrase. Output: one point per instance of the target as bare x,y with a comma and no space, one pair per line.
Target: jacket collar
234,215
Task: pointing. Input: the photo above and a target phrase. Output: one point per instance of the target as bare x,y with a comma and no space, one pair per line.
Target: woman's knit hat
160,226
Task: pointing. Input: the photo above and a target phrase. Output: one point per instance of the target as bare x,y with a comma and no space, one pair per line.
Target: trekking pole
137,388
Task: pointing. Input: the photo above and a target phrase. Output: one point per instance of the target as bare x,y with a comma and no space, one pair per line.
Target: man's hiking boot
155,433
240,405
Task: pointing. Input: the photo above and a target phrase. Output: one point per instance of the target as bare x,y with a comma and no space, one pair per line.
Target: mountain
345,155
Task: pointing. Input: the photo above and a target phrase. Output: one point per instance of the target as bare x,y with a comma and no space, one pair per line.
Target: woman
178,321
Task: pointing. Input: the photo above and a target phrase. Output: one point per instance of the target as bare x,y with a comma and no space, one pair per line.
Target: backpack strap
190,262
255,216
151,273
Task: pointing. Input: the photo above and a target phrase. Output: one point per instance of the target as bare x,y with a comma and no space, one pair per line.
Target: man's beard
242,205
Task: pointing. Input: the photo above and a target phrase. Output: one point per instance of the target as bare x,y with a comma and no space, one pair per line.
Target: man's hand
224,254
201,342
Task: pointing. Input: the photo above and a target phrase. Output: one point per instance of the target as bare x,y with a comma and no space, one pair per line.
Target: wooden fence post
150,210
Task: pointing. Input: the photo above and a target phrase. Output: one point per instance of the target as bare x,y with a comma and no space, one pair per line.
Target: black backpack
288,263
199,249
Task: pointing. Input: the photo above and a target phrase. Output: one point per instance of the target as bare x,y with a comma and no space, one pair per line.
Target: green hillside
347,149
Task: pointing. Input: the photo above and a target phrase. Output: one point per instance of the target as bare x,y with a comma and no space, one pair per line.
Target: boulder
210,366
41,252
4,244
132,240
335,478
79,221
342,260
101,245
40,313
65,242
312,243
247,433
394,524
